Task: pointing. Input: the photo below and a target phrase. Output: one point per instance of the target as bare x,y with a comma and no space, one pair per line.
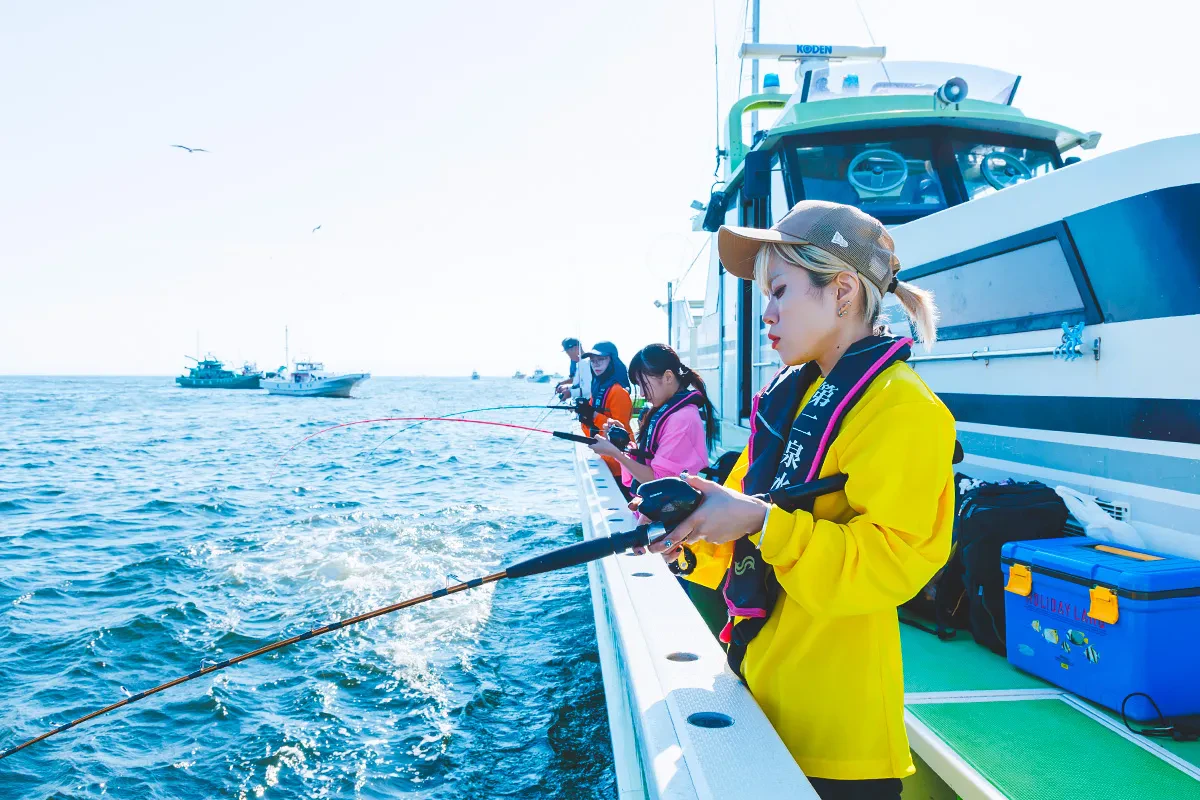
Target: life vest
650,426
786,449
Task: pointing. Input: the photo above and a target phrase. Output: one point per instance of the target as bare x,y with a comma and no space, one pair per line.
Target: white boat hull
319,387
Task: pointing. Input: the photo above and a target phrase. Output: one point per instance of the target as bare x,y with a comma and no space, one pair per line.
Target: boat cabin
1062,286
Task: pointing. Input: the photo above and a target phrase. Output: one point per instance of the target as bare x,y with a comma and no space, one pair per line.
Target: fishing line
559,434
525,438
470,411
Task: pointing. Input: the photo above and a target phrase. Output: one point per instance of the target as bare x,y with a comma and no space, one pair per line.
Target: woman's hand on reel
723,516
604,447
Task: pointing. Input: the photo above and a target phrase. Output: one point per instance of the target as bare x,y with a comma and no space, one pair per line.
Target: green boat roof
900,105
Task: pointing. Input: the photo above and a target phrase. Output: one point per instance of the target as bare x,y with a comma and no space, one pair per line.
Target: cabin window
1028,288
988,168
891,180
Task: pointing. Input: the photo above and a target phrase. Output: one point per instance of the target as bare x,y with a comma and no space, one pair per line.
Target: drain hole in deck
709,719
682,657
643,574
614,519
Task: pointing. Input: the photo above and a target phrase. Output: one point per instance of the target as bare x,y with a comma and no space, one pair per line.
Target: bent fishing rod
571,437
666,502
556,407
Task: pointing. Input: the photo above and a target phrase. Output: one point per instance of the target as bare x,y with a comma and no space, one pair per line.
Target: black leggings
881,789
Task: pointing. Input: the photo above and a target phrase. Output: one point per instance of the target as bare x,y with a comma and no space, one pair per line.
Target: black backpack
943,600
968,593
989,516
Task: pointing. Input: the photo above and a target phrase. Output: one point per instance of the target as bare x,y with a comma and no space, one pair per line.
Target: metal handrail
987,354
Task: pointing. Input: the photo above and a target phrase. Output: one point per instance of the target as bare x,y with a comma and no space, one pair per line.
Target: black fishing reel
669,501
619,437
585,411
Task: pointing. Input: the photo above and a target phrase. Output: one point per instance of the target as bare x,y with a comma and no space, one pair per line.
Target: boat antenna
754,28
286,355
717,90
871,36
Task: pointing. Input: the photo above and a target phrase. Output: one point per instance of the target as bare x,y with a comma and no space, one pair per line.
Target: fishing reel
668,502
585,411
619,437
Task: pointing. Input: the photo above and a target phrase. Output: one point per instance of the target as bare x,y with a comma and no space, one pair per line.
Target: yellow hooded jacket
826,668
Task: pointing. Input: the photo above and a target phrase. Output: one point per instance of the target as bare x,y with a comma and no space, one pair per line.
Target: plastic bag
1096,521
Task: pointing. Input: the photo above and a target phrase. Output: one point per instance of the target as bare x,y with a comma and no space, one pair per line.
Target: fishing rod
666,502
571,437
557,407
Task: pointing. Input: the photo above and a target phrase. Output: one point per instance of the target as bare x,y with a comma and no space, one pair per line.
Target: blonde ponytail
918,304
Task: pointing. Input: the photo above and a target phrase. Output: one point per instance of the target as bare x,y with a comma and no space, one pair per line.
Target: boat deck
991,731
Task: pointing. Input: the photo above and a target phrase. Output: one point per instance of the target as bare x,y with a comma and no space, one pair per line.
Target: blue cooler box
1104,621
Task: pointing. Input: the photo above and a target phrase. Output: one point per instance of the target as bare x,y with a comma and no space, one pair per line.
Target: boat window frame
1054,231
941,155
941,139
1001,140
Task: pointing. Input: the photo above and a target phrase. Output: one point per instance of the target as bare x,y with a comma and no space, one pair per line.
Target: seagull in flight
190,149
314,230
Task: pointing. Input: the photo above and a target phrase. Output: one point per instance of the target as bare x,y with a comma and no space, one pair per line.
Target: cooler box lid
1135,573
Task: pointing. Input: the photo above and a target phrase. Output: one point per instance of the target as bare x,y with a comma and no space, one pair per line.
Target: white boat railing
666,681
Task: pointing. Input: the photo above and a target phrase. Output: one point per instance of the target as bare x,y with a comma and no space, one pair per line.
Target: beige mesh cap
840,230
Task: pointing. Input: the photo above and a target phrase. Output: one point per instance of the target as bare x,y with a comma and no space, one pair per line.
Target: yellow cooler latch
1020,581
1104,604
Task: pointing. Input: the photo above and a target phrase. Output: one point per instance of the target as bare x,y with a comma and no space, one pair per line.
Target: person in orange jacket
610,400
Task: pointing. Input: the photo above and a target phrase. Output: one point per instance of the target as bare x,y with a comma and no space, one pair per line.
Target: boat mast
286,358
754,28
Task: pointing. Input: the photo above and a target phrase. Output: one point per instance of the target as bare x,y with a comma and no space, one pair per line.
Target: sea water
147,530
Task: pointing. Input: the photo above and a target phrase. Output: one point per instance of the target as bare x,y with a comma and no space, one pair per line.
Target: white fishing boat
309,379
1078,384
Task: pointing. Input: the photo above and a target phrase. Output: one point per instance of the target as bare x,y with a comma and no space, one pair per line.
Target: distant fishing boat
518,376
210,373
539,377
474,376
309,379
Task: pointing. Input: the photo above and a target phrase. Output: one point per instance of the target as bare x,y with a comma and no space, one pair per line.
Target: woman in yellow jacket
812,593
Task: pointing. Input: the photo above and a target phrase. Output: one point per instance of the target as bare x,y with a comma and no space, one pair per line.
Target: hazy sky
488,176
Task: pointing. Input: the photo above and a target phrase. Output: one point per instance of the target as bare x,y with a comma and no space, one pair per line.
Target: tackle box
1105,622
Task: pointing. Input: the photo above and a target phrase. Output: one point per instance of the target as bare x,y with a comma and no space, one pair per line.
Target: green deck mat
1188,751
1046,750
931,665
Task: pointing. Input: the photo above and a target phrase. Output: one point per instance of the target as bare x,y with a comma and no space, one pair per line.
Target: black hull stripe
1165,420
